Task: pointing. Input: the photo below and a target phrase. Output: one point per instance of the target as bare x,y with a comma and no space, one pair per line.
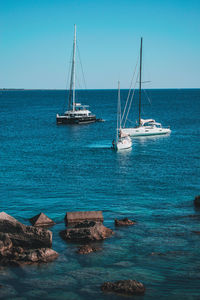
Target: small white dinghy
123,140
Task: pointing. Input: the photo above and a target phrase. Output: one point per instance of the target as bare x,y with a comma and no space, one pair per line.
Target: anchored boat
123,140
76,113
149,126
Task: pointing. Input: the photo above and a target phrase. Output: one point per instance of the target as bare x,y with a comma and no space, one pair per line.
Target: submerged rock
86,231
124,222
127,287
196,231
73,218
86,249
41,220
197,201
24,244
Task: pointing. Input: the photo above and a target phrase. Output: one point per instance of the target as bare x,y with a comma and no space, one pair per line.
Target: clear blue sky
36,42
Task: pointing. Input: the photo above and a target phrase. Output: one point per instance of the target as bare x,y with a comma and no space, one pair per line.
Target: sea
57,169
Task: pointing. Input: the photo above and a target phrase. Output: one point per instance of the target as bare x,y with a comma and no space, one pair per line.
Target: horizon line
111,89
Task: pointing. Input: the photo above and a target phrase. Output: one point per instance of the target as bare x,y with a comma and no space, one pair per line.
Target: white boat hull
146,131
124,144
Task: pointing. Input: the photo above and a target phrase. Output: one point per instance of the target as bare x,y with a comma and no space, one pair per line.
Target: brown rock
86,231
5,216
73,218
197,201
124,222
19,255
25,236
23,244
127,287
41,220
86,249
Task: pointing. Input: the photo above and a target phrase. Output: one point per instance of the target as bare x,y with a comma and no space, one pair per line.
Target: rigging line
130,89
67,82
148,98
130,121
79,56
133,93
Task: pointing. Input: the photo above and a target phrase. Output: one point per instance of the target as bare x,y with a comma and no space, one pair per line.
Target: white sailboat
123,140
149,126
76,113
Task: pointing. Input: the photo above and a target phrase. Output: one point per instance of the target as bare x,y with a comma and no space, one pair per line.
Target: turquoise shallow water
55,169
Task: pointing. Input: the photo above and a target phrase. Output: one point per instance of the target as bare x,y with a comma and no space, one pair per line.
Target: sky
36,39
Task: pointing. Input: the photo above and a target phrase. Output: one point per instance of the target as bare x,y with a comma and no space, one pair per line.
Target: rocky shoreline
21,244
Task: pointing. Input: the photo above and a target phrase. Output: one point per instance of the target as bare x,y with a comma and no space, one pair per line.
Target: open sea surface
55,169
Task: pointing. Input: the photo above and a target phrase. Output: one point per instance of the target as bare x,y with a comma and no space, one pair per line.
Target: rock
41,220
25,236
86,249
24,244
197,201
18,255
73,218
124,222
196,232
127,287
86,231
158,254
5,216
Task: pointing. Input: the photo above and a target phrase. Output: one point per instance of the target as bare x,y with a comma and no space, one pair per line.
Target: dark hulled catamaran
76,113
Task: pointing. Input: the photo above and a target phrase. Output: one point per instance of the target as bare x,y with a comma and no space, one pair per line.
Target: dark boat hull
79,120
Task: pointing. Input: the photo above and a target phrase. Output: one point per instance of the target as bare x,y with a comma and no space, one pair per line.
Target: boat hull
77,120
123,144
142,131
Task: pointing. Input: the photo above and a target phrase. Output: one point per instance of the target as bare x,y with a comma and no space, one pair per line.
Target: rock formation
86,231
24,244
86,249
41,220
124,222
127,287
73,218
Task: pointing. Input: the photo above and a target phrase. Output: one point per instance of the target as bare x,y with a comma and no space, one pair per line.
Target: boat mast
140,82
118,112
72,80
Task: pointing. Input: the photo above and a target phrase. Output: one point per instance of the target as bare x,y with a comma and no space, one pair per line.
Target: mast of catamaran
72,80
140,82
118,112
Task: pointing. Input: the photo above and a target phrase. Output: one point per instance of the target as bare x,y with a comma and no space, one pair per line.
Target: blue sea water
55,169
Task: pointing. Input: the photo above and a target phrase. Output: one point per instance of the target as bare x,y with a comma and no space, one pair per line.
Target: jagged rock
197,201
72,218
124,222
127,287
19,255
24,244
86,231
86,249
25,236
41,220
5,216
